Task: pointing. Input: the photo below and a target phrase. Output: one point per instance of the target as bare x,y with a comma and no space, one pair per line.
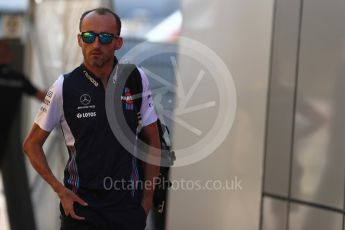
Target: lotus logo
85,99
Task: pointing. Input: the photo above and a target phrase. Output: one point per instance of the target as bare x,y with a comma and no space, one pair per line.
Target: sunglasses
103,37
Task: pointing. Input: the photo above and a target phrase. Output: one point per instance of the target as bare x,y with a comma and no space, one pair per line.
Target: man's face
97,54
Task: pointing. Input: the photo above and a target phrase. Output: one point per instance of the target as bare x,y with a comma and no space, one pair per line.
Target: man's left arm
150,135
31,90
40,95
151,172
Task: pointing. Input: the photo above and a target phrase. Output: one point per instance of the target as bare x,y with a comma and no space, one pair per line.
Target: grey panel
274,214
318,167
308,218
239,32
280,114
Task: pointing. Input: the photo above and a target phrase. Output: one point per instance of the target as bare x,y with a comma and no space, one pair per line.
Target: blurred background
285,146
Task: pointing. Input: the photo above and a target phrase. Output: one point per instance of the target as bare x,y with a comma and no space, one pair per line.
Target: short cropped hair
102,11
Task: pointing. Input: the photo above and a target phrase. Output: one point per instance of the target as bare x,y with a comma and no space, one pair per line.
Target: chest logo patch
86,115
127,98
85,99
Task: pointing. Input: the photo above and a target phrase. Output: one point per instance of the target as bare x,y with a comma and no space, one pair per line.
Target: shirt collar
91,76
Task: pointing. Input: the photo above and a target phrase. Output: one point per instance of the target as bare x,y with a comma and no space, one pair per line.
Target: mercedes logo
85,99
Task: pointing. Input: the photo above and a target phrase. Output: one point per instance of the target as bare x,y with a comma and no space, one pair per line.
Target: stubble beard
99,62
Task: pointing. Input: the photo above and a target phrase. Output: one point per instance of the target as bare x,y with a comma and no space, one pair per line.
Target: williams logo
127,99
85,99
86,115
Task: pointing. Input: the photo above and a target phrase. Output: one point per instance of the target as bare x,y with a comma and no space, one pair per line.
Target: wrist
146,204
58,188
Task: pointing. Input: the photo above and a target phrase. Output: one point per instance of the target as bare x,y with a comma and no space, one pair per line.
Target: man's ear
79,40
118,43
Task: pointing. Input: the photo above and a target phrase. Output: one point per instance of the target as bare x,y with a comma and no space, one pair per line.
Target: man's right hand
67,198
33,147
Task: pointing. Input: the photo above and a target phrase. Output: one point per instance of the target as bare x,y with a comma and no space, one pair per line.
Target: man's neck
102,73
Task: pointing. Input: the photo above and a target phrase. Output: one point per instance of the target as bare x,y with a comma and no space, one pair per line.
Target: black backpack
167,154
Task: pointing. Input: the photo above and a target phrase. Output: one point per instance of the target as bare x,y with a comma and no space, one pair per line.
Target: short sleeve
147,109
51,111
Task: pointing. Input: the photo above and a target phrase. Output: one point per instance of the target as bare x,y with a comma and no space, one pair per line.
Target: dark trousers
105,219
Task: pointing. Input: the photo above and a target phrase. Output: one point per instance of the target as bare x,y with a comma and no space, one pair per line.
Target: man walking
76,102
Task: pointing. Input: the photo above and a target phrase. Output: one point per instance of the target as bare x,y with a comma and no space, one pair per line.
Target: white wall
239,32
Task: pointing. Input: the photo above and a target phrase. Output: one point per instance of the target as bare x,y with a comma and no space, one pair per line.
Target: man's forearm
40,95
40,164
151,174
33,148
